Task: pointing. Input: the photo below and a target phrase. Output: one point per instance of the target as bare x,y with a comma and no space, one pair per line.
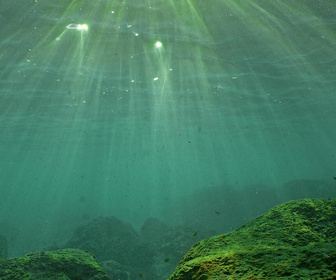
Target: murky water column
128,109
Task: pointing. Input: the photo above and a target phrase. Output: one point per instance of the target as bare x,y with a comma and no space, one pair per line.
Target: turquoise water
104,122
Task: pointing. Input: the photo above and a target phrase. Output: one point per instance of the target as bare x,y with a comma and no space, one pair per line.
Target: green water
102,122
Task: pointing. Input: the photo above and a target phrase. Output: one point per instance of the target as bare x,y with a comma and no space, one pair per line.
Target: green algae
295,240
67,264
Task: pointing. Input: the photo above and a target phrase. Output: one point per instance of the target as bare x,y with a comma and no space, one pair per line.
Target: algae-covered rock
295,240
67,264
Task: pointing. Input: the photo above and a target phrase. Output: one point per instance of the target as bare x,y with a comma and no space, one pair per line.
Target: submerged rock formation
116,245
295,240
67,264
125,254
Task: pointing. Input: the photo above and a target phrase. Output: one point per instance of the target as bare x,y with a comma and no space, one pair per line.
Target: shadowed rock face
295,240
116,245
68,264
125,254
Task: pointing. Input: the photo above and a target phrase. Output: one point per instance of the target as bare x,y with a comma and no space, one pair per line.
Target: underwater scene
134,129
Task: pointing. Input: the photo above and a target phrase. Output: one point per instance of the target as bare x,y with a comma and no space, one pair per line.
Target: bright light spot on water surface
158,44
77,26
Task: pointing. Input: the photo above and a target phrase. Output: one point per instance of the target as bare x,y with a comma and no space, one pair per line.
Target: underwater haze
188,111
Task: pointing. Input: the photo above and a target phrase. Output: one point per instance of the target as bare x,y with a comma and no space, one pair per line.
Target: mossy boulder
295,240
67,264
